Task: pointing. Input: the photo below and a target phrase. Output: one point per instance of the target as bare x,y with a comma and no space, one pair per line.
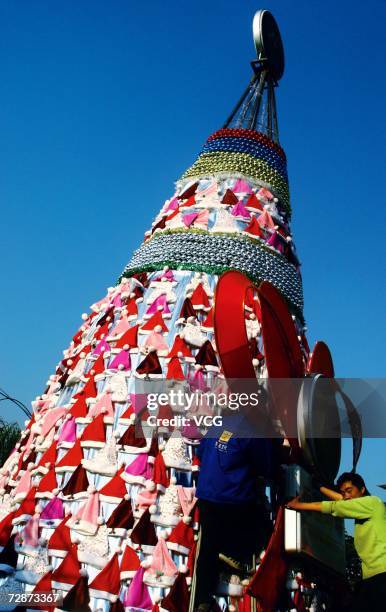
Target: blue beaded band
219,253
253,147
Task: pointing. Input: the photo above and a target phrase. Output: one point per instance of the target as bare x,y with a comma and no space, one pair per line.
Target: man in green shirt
355,502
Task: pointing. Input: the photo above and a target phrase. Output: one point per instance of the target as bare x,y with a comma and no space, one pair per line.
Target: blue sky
104,104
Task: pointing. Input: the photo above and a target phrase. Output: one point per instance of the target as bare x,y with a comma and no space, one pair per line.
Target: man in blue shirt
234,518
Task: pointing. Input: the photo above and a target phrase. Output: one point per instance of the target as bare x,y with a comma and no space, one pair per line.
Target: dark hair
356,480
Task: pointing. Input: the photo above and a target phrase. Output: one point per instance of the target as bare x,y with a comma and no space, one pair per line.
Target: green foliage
9,436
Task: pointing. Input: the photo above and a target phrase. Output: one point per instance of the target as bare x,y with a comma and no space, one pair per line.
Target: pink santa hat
101,347
139,470
241,186
189,218
156,342
162,571
145,499
119,329
137,596
103,405
160,304
23,486
67,435
27,541
50,419
87,520
186,496
265,220
122,361
240,212
265,194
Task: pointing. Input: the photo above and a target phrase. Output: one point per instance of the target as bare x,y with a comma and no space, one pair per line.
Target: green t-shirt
369,513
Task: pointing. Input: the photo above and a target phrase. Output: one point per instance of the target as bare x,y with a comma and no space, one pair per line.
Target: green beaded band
243,163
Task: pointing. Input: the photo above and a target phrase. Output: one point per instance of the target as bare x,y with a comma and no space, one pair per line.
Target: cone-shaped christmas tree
229,211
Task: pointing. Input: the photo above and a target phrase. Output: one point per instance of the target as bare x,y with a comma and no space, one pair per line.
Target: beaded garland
251,135
252,147
220,162
200,251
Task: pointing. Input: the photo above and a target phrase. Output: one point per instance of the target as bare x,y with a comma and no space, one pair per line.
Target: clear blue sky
104,104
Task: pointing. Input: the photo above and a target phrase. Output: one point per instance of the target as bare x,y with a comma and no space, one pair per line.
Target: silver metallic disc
268,43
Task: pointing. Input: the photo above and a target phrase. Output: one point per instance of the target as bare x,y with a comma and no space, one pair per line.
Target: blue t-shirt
232,463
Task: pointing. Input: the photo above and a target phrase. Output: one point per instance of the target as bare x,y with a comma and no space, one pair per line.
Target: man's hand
294,503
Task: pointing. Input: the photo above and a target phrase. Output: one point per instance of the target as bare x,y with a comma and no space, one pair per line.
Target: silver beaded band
216,254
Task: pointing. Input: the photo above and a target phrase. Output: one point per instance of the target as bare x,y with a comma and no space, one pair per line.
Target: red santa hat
199,298
71,460
94,435
188,191
6,526
130,563
150,367
195,464
60,543
181,539
160,474
76,487
78,597
229,198
144,534
155,323
206,357
88,391
131,309
133,440
129,340
48,486
186,311
121,519
253,203
128,416
115,489
178,597
79,410
98,367
254,229
175,371
68,572
107,584
26,508
180,349
44,586
208,324
48,457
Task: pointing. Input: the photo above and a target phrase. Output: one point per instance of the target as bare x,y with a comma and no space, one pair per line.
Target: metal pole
239,103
